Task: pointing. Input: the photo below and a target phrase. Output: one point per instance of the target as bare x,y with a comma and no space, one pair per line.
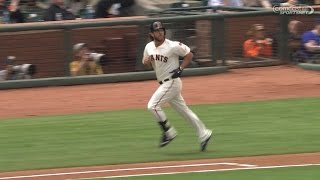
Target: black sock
165,125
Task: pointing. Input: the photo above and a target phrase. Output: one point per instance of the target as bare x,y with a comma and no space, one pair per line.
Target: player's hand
147,60
177,72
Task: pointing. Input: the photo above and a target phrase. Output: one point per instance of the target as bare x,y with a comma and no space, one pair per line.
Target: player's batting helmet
156,26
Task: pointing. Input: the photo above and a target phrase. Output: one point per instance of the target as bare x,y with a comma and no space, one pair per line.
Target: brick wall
203,40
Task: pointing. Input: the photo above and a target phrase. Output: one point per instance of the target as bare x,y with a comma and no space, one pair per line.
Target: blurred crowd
260,3
303,46
20,11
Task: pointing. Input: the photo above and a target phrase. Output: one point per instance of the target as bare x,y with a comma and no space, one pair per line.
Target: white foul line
127,169
202,171
237,164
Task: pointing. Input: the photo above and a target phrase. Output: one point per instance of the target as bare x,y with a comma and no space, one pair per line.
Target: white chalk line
203,171
127,169
237,164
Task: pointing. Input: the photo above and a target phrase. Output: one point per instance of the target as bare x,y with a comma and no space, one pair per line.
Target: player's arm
182,50
186,60
146,60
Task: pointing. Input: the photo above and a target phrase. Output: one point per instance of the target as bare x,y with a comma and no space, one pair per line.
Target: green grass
241,129
292,173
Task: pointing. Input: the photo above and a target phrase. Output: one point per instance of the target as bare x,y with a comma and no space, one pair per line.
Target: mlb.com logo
300,9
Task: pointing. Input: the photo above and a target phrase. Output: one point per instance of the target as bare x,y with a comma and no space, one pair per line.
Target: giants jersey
165,58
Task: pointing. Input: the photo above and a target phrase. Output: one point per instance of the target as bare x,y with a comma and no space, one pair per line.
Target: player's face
158,35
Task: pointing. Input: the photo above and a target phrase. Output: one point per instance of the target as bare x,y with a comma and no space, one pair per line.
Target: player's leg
163,94
180,106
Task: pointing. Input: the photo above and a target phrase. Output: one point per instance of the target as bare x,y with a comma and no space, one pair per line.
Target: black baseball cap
156,26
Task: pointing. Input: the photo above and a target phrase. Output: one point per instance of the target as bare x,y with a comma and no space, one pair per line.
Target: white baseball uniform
164,59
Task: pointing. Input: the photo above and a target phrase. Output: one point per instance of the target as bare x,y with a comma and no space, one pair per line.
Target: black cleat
165,140
205,142
167,137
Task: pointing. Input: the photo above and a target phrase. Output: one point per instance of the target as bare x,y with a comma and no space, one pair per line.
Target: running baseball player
162,55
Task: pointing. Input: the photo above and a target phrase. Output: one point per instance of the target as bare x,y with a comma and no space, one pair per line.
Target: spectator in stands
76,6
126,8
180,4
11,13
257,45
114,8
13,71
311,44
16,16
284,2
234,3
43,4
294,43
216,2
309,2
57,12
33,10
257,3
82,64
3,8
6,73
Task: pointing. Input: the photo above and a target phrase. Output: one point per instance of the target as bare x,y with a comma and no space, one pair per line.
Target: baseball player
162,55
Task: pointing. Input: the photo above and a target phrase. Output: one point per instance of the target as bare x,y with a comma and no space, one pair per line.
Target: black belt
168,79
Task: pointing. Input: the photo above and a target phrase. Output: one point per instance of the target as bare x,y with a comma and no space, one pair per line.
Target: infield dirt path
169,167
237,85
265,83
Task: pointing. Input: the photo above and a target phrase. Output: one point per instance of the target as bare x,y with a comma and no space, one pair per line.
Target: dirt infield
170,167
237,85
265,83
